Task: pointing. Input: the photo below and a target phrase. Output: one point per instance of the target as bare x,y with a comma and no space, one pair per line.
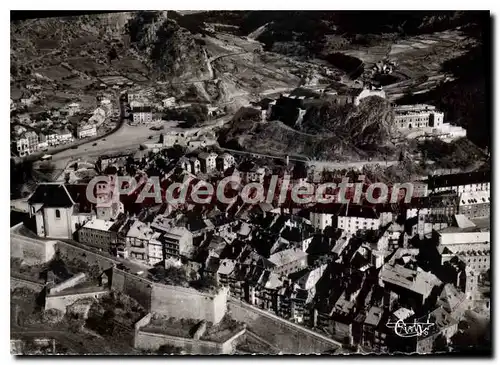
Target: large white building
60,136
142,115
417,116
86,130
22,146
98,116
288,261
73,108
168,102
143,243
195,164
27,143
471,245
475,204
427,121
321,220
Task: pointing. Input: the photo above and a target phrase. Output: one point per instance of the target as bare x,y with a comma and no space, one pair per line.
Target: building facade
86,130
461,183
207,161
177,241
225,161
142,115
475,204
417,116
97,233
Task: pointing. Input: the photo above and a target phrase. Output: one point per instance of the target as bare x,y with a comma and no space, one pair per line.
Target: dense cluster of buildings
37,139
346,270
350,271
144,107
31,142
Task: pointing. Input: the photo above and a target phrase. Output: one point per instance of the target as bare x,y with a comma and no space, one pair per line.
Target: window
58,214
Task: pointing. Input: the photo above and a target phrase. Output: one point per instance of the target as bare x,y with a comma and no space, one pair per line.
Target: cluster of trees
58,267
205,283
171,275
325,117
460,153
192,116
103,324
168,350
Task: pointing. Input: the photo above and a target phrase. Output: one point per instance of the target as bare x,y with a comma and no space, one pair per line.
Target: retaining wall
31,251
153,340
132,285
60,302
182,302
287,336
70,252
23,283
71,282
173,301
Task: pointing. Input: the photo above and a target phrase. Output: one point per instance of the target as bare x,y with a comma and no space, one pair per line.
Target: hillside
309,33
464,100
370,123
105,44
326,132
147,48
170,51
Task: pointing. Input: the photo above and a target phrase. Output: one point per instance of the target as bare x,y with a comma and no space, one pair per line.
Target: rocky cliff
169,50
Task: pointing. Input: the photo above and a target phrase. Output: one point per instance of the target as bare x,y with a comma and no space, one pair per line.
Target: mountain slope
326,132
169,50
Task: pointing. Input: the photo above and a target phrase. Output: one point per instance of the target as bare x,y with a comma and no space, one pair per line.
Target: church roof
52,195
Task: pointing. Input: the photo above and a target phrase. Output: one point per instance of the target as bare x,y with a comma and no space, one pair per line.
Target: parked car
122,267
94,144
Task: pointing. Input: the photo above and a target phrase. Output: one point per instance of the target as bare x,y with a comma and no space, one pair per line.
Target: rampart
71,282
174,301
60,302
148,340
72,252
18,282
31,251
286,336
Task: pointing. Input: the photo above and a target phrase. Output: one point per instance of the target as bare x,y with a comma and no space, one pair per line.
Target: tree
168,349
171,275
440,344
175,152
161,163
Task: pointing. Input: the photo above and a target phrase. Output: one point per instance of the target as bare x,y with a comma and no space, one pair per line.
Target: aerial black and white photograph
219,182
